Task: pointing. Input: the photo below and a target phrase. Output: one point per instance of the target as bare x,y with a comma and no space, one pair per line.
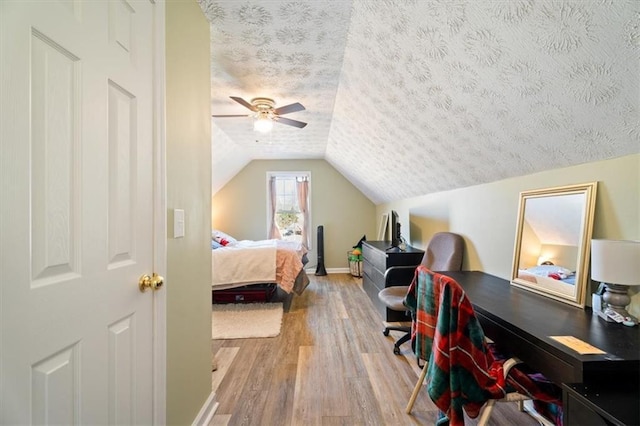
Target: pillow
222,238
546,270
215,245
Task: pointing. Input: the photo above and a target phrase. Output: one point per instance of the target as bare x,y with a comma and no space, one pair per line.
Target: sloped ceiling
410,97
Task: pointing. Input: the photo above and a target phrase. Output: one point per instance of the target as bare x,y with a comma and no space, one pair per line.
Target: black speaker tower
320,268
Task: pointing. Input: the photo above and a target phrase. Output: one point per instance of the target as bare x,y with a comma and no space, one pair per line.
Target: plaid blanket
463,372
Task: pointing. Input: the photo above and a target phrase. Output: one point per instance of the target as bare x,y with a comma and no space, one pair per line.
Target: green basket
355,264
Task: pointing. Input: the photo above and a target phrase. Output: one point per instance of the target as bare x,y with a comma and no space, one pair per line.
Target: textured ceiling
411,97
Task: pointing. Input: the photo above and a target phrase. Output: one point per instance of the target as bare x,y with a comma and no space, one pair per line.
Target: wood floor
330,365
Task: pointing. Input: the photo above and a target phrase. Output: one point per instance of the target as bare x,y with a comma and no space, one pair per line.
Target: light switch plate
178,223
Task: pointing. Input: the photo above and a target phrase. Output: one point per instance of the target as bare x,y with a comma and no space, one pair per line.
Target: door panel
55,390
54,162
122,372
122,168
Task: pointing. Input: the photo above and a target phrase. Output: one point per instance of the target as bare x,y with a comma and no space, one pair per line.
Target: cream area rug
246,320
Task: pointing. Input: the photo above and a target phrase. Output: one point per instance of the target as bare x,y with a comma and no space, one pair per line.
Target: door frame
159,219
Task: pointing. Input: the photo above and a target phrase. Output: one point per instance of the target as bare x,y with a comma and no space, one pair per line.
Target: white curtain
274,232
302,188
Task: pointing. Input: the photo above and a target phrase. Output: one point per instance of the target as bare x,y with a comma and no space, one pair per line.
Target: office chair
443,253
464,371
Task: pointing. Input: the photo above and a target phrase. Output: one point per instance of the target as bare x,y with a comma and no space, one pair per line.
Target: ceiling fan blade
289,122
289,109
217,116
243,103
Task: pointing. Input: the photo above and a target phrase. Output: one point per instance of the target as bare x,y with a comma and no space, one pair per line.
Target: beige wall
189,188
486,214
240,207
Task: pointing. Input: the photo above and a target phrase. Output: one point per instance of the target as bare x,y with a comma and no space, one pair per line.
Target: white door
78,106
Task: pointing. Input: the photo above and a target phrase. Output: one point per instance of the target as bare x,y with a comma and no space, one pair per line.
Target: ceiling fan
265,113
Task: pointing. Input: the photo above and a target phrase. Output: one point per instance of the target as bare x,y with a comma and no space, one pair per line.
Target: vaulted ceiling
410,97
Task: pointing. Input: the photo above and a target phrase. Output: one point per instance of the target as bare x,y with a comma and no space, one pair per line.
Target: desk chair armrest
399,275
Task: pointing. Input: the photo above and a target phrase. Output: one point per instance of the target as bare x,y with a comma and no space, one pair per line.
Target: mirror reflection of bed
554,228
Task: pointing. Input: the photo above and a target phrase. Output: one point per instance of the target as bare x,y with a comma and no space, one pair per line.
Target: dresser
376,259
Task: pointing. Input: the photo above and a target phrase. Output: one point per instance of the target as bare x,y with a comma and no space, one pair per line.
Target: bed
240,263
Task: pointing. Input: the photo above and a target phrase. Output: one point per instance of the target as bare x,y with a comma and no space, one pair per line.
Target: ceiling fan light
263,124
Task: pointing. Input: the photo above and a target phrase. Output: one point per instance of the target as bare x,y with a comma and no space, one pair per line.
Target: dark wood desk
521,322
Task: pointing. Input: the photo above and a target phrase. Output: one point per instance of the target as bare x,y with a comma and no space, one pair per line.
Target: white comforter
244,262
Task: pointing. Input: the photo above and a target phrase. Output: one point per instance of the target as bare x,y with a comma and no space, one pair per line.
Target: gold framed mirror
553,234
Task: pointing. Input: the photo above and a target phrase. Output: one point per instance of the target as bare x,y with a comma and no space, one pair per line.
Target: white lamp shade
615,261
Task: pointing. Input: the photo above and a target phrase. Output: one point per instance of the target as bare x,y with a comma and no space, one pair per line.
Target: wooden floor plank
223,358
330,365
220,420
305,404
391,403
235,384
278,409
333,371
364,405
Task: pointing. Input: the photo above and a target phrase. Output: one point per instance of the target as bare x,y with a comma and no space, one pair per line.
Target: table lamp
616,264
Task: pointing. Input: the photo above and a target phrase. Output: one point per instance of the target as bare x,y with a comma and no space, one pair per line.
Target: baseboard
338,271
312,271
207,411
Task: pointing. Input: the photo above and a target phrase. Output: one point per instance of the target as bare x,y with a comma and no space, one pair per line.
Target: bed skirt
257,293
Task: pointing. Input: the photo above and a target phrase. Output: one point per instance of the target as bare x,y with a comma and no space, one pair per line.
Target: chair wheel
396,350
385,332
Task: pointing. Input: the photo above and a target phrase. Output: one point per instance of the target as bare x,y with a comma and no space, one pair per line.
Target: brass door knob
153,282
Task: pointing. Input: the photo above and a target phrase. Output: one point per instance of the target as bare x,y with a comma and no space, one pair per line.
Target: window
288,206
